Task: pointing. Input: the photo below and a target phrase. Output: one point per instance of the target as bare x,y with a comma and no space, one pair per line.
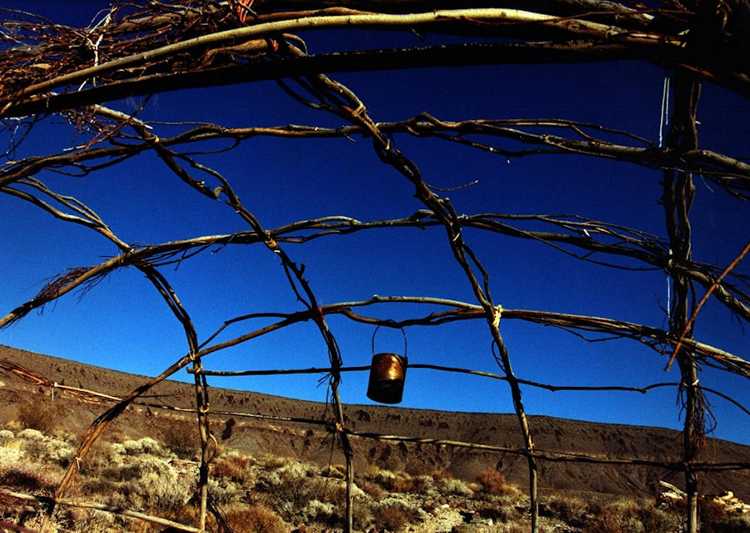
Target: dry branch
376,20
728,172
46,502
350,61
480,373
143,48
689,324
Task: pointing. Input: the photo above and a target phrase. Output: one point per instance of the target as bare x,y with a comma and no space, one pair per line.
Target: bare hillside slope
310,443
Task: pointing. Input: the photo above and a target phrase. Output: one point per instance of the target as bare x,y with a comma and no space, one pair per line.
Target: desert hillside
304,443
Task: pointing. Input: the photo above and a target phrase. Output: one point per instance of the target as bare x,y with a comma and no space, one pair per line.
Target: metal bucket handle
403,334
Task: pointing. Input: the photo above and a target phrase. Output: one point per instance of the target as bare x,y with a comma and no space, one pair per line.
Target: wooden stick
576,27
125,513
731,266
677,198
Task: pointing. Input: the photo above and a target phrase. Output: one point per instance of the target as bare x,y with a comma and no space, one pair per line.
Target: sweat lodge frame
146,48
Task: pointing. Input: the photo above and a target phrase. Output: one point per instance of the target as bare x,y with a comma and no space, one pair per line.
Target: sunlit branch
373,20
46,501
88,217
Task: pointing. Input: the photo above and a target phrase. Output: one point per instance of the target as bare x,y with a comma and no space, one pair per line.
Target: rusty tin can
387,378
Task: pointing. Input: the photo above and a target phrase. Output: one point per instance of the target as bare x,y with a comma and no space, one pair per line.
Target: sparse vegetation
373,490
276,494
453,486
392,517
254,519
234,467
39,415
717,519
494,482
572,511
632,515
25,478
180,436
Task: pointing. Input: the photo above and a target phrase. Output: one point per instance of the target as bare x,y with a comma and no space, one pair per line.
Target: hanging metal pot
387,375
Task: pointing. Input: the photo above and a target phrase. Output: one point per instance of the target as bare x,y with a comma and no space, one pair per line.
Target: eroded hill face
311,444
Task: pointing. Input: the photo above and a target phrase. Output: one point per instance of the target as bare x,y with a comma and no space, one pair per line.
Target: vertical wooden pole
523,422
678,192
204,428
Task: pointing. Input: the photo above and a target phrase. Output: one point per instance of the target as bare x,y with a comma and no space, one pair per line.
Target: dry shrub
332,513
633,516
98,486
11,455
254,519
142,446
294,486
45,450
275,461
610,520
157,492
327,490
453,486
392,517
493,482
334,471
361,515
402,483
734,524
189,514
181,436
291,484
25,478
495,512
416,467
710,512
655,519
440,473
40,415
715,518
223,491
233,467
90,521
318,511
393,481
97,459
371,489
296,491
143,482
572,511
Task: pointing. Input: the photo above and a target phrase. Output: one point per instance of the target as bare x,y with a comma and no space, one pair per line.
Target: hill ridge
277,437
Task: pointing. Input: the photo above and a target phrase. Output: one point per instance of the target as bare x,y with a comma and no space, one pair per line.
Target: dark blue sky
123,324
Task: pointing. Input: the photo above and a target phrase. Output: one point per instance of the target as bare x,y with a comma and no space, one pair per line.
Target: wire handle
403,334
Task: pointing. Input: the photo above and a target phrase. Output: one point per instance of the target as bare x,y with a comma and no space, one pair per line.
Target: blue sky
123,324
